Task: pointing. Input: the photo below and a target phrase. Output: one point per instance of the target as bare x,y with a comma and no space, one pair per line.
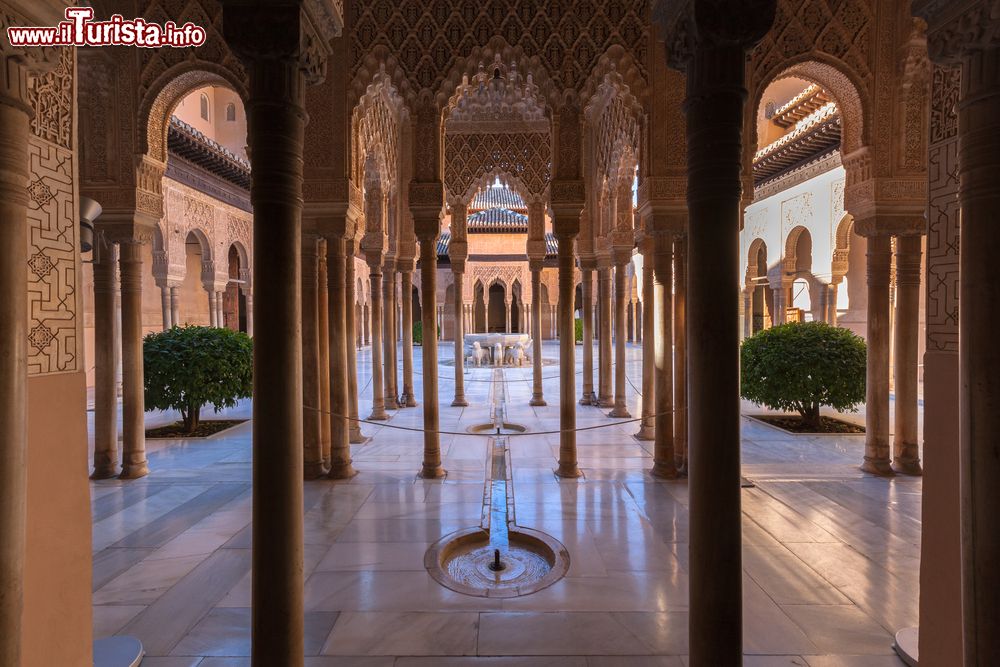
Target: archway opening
496,310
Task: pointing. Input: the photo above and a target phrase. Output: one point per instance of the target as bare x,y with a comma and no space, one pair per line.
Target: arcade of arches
625,189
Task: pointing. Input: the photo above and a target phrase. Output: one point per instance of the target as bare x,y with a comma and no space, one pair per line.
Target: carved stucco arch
840,81
752,272
246,274
841,248
376,122
790,261
167,91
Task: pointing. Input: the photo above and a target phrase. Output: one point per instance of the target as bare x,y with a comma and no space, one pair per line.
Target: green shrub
801,366
418,333
578,326
186,368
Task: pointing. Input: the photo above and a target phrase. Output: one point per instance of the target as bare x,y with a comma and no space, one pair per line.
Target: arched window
230,112
204,107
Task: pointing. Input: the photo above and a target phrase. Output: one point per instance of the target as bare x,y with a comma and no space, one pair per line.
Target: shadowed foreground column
312,446
714,108
664,461
323,336
340,446
280,51
680,354
567,363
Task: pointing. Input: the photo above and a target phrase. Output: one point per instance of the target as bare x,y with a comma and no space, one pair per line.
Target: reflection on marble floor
830,554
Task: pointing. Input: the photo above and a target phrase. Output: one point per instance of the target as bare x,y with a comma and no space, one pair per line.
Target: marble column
537,394
877,383
979,354
105,362
647,427
715,115
275,61
165,306
604,397
431,467
311,445
779,295
587,289
406,302
390,398
350,281
378,394
507,308
680,354
906,454
134,462
831,304
620,409
340,445
175,308
323,340
213,312
458,274
249,301
664,459
567,363
554,320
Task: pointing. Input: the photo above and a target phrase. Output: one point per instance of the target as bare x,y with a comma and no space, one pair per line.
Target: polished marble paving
830,558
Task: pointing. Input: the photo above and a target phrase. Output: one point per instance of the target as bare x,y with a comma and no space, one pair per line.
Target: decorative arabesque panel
428,36
525,156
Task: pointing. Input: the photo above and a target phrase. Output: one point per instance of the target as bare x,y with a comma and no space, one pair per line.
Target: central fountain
498,558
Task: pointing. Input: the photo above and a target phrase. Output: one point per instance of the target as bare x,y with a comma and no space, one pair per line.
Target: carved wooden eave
188,143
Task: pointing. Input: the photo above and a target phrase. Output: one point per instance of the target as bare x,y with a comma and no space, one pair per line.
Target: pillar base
907,466
620,412
568,471
664,471
432,472
537,401
356,437
134,470
313,470
605,402
877,467
587,398
104,473
645,433
905,645
378,416
460,402
407,401
345,471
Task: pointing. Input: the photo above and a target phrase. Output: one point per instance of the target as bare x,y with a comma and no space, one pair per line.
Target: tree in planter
187,368
801,366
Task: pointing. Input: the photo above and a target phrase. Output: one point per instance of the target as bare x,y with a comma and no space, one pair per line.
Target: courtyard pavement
830,558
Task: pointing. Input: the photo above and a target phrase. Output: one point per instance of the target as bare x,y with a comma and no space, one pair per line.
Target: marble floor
830,555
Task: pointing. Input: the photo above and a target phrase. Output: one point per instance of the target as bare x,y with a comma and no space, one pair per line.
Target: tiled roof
497,221
497,196
551,245
190,144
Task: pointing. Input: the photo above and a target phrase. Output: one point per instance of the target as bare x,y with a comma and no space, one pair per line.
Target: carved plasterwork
471,158
377,120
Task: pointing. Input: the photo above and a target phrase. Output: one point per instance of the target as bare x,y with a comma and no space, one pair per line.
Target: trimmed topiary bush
801,366
578,326
187,368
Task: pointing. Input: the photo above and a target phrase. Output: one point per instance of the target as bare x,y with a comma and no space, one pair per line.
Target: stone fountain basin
459,561
506,428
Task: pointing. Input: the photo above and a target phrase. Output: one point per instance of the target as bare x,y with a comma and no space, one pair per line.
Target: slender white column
459,311
134,462
165,306
340,446
354,339
537,397
213,313
621,286
647,427
406,302
378,394
568,466
877,384
906,454
431,467
175,308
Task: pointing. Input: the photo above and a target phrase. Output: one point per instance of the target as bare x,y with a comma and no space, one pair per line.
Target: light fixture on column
90,211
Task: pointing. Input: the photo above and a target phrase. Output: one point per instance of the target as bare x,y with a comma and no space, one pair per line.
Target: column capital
958,28
16,63
127,227
283,30
687,25
426,206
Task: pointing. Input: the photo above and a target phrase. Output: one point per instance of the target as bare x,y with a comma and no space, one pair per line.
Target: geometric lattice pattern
428,36
470,157
53,344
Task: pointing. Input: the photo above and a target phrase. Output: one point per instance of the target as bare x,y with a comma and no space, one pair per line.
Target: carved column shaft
621,288
353,340
587,289
606,317
537,393
906,455
567,363
406,303
680,353
323,340
389,335
175,309
212,310
664,461
165,306
877,383
647,427
105,363
311,406
378,394
428,283
134,462
458,305
340,446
